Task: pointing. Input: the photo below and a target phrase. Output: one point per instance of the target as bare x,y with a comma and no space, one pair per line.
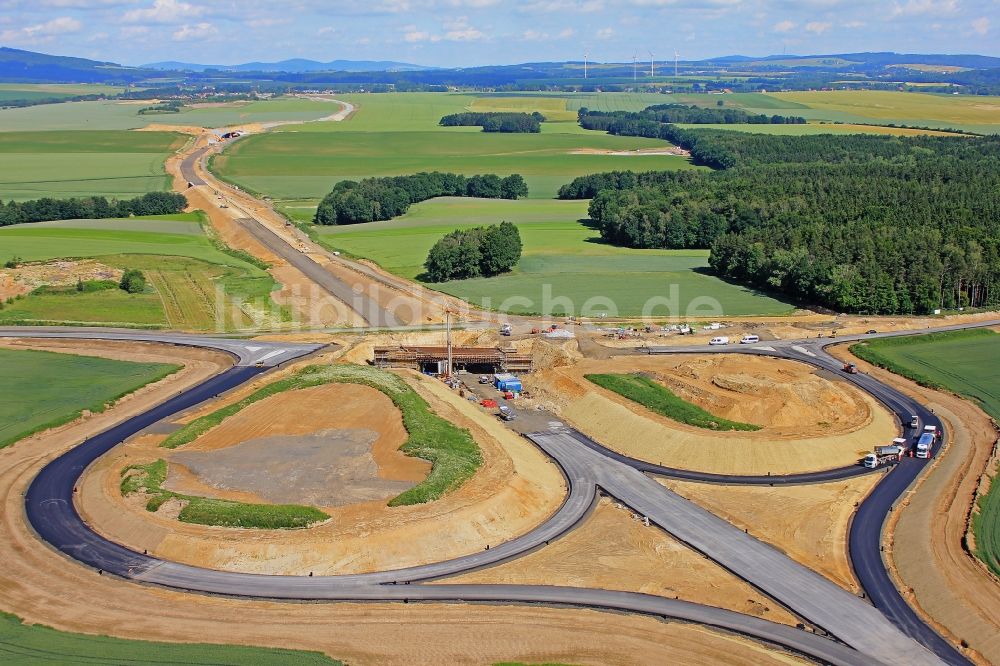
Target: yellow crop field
552,108
902,107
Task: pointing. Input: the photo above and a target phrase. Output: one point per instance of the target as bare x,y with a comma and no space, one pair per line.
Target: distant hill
295,66
17,66
871,59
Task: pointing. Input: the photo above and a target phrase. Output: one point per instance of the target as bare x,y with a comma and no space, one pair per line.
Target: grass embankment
149,479
452,452
36,645
41,390
657,398
963,362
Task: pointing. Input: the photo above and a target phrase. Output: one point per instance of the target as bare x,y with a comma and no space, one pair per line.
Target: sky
461,33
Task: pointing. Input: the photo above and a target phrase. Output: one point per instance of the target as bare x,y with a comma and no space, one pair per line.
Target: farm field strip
42,389
84,163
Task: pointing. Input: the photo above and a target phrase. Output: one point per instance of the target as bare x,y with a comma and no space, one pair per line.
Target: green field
452,452
37,645
41,390
562,256
964,362
116,115
84,163
398,134
658,398
182,265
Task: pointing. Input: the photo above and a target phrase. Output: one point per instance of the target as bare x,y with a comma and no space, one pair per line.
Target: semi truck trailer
882,456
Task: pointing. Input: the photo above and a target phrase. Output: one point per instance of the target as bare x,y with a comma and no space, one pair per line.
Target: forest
866,224
497,121
478,252
373,199
92,208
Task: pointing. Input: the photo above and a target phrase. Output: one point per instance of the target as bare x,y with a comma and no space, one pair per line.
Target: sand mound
62,273
809,422
757,391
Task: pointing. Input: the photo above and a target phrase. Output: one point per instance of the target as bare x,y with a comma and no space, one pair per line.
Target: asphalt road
353,296
247,352
51,511
878,637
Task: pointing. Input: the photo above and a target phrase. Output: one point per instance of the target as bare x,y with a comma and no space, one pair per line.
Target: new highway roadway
887,632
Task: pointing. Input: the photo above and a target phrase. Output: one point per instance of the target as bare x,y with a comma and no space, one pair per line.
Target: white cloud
416,36
818,27
197,31
326,30
922,7
981,25
459,30
605,33
41,32
853,25
783,26
164,11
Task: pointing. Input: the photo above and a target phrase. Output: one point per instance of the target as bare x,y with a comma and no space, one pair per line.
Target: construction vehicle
505,329
914,422
850,368
925,445
882,456
506,413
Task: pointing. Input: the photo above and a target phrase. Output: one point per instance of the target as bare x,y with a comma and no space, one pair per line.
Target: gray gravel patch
325,468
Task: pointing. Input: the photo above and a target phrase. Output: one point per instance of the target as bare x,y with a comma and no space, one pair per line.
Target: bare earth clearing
514,491
63,273
613,550
810,422
808,523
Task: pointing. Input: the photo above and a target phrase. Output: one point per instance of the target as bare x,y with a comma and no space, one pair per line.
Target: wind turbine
635,66
586,54
652,72
676,56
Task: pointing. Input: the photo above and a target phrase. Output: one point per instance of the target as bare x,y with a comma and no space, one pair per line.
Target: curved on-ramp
50,510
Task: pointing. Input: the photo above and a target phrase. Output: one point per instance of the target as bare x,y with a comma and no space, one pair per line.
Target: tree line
45,209
373,199
682,113
478,252
496,121
868,224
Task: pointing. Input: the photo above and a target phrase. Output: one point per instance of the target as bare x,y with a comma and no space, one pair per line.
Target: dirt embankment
614,550
514,490
808,523
925,534
809,422
41,586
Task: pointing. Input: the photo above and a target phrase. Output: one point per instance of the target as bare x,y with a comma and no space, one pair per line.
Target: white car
749,340
721,340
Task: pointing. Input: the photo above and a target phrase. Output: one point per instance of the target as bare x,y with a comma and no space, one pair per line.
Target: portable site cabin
507,382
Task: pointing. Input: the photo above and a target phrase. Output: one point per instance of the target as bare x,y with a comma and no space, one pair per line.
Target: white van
721,340
749,340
